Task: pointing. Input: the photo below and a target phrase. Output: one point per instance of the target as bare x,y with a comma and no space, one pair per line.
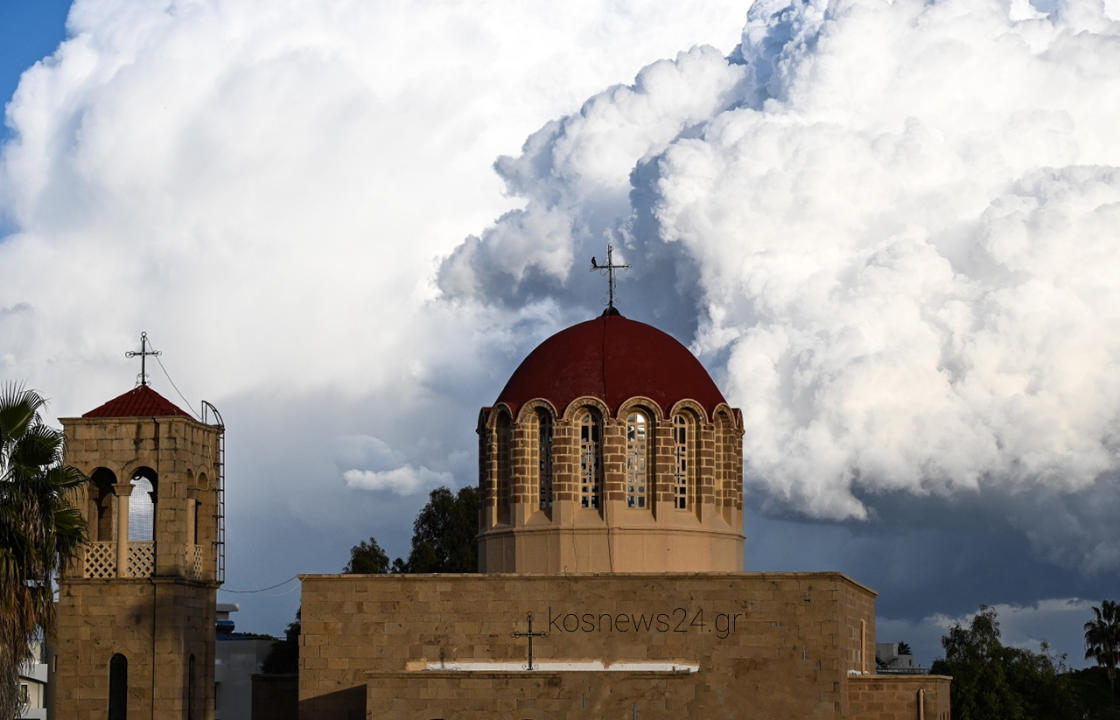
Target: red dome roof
614,359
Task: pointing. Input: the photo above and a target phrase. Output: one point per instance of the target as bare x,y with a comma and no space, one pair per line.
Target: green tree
367,558
443,535
993,682
40,531
1102,640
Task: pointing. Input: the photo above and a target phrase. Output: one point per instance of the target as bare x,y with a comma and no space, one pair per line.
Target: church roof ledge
495,577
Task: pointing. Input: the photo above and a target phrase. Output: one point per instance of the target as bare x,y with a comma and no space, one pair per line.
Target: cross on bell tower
610,267
143,352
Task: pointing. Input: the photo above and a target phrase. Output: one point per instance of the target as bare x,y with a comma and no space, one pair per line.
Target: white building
33,684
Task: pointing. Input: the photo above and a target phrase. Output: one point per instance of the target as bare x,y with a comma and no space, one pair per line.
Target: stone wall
767,644
518,536
895,697
155,623
184,455
533,696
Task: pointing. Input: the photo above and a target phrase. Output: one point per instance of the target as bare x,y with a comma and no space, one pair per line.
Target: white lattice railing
194,562
141,559
101,560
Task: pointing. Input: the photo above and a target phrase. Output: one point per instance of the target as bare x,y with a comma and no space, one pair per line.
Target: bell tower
136,612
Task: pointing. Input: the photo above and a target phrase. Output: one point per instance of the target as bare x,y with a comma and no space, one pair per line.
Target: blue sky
29,31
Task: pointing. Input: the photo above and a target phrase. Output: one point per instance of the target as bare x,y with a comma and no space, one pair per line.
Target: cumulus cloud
884,225
899,221
279,180
266,189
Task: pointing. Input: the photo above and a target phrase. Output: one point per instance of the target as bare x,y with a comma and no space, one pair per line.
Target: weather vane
610,267
143,352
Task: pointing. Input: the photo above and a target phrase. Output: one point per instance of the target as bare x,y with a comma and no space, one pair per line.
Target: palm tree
39,530
1102,639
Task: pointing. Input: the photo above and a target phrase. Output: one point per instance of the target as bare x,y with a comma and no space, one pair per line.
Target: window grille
142,507
637,460
681,432
544,459
505,439
590,461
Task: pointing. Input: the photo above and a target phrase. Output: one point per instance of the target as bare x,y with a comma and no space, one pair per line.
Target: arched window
637,459
590,460
682,461
505,469
544,459
118,687
142,506
101,496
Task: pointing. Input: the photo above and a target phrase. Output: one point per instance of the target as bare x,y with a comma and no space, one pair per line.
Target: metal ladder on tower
220,507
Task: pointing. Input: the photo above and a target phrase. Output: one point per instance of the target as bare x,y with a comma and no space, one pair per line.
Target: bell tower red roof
140,401
612,358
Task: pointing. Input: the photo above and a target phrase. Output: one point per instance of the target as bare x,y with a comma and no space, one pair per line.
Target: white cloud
899,218
889,233
405,480
267,190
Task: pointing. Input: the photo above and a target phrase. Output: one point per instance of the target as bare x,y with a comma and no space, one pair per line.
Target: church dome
614,359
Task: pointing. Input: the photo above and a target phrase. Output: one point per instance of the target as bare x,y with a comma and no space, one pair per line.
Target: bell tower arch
141,593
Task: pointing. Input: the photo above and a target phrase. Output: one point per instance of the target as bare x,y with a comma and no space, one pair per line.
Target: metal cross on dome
143,352
610,267
530,634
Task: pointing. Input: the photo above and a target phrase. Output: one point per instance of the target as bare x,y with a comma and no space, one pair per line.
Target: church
611,578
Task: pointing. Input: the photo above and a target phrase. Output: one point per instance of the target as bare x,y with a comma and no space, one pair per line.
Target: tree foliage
367,558
39,530
443,535
994,682
1102,640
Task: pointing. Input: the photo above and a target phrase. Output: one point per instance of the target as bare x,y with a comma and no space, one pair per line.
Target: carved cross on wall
530,634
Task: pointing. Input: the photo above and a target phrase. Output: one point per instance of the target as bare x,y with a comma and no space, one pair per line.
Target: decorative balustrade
100,560
141,559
